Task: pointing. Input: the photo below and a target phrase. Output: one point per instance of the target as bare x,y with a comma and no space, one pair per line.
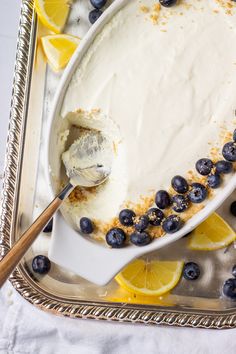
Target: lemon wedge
53,13
151,278
58,49
212,234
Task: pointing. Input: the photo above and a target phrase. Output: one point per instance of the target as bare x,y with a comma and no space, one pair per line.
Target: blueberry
214,180
98,4
179,184
234,271
141,223
172,224
180,203
162,199
229,151
229,288
116,238
86,226
126,217
140,238
155,216
198,193
168,3
224,167
233,208
94,15
204,166
41,264
48,227
191,271
234,135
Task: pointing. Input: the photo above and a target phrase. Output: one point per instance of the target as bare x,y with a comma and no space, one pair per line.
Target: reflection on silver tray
64,293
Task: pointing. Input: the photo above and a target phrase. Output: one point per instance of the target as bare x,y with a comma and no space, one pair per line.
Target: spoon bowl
88,159
89,177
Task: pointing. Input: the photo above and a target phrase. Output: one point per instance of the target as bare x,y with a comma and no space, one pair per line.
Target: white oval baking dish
92,260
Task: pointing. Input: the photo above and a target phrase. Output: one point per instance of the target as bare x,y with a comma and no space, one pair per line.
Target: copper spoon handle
21,246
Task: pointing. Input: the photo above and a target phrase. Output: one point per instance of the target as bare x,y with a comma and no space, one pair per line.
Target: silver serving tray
197,304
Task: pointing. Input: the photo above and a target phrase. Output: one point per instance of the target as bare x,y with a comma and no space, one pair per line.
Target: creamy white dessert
167,79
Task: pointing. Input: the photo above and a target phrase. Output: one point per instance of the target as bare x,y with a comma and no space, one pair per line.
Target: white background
26,330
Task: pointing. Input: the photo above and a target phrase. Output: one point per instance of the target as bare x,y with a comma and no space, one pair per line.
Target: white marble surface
25,329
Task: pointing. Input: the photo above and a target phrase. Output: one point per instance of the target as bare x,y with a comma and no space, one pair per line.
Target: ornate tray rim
20,280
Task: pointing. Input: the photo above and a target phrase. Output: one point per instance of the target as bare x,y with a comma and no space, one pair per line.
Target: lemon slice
58,49
212,234
53,13
152,278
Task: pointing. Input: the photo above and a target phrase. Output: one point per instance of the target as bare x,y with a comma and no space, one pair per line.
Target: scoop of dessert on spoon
88,160
88,164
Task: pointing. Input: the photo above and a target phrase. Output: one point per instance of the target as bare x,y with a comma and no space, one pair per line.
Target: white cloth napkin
26,330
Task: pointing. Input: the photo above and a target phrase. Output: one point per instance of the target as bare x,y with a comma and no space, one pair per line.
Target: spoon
85,167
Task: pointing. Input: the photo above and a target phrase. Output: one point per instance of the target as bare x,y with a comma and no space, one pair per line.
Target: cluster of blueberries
99,5
186,194
42,265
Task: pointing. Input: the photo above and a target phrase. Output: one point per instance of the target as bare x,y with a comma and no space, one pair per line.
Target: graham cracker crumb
141,208
154,18
187,6
144,9
228,12
81,194
104,227
115,148
214,154
157,7
194,208
193,177
155,231
229,6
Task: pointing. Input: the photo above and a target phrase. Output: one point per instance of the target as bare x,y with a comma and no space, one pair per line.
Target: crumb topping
144,9
81,194
156,13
